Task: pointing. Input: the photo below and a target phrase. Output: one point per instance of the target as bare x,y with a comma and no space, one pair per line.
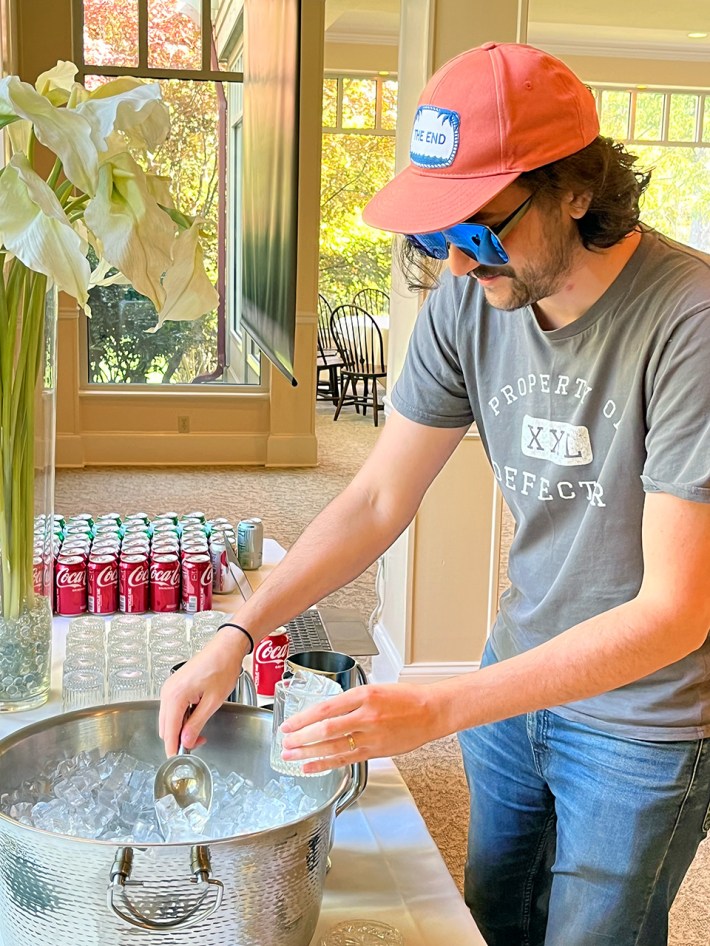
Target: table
385,865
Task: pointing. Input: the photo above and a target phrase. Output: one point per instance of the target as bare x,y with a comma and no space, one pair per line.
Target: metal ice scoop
186,777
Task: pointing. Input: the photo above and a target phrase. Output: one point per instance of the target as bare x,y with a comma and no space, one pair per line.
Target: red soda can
165,582
133,584
269,660
38,573
102,579
70,579
196,583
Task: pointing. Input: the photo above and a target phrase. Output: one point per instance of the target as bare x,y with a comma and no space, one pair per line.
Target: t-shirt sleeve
678,413
431,388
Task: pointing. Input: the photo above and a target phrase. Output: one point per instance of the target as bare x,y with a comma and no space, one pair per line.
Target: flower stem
23,300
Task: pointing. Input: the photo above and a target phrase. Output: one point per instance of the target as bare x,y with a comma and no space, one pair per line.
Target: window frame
251,366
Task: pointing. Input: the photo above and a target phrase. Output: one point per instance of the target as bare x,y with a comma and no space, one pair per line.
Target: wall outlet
183,424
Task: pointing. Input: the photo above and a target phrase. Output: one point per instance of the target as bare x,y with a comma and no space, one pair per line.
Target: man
577,340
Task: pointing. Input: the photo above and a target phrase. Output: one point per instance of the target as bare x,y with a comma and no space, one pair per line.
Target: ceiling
631,28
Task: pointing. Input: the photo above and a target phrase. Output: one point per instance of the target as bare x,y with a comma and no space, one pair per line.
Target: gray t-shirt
578,424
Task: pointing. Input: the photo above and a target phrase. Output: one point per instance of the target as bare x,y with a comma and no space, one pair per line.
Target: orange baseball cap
485,117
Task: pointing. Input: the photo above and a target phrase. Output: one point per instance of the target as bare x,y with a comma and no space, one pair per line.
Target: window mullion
142,34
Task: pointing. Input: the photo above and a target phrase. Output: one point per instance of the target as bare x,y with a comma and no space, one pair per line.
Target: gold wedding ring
351,743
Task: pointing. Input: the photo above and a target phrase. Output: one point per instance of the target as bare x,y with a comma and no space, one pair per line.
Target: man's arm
668,619
340,543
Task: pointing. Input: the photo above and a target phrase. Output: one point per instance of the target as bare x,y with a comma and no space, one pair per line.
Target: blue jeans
578,837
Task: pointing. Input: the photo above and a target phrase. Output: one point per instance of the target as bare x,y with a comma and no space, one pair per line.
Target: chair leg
343,389
375,406
365,397
356,402
333,371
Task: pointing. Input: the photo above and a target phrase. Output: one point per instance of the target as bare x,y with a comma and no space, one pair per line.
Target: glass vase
28,328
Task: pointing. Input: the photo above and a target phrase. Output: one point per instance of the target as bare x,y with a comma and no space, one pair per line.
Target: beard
539,279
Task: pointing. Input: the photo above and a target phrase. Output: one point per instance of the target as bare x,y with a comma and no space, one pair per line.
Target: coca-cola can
196,583
138,517
269,660
70,582
82,517
102,580
133,584
222,581
165,583
38,572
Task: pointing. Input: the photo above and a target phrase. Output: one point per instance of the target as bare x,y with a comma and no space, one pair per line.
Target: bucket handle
358,771
120,879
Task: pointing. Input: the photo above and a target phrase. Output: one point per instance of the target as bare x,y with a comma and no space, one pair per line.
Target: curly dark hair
604,167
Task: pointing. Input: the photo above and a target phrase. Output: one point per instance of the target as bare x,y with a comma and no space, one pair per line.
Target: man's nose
460,263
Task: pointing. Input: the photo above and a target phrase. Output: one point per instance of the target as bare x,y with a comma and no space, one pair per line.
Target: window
359,120
171,42
669,130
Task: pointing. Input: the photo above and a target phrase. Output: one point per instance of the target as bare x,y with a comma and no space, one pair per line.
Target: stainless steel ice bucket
260,889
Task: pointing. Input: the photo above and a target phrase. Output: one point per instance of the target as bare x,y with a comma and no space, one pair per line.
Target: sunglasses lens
478,242
431,244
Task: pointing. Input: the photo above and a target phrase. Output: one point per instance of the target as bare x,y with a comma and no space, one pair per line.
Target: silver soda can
250,543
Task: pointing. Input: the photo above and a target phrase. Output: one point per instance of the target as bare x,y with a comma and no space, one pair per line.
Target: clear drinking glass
201,636
82,688
124,662
166,634
160,670
207,619
170,619
85,661
279,715
90,630
91,651
133,651
174,650
129,622
125,685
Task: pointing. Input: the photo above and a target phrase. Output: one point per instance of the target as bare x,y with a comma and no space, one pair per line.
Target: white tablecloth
385,865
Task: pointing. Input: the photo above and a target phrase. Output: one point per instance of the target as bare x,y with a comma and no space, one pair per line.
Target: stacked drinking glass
129,657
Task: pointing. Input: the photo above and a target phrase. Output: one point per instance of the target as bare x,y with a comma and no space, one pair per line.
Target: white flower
62,130
188,292
34,227
131,106
135,235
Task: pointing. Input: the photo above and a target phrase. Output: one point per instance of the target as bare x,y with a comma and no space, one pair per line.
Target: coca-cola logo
268,652
169,577
206,578
71,579
138,577
107,576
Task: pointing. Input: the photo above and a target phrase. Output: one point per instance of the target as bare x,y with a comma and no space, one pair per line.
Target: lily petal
63,131
128,105
134,234
189,293
35,228
56,84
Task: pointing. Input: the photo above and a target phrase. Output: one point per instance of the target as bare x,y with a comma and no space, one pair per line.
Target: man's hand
378,719
204,682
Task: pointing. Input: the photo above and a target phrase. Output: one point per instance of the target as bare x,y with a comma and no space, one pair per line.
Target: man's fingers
195,724
338,706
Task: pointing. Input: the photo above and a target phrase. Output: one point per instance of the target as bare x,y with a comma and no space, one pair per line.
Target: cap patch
435,137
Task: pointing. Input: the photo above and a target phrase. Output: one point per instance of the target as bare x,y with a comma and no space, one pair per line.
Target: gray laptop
321,627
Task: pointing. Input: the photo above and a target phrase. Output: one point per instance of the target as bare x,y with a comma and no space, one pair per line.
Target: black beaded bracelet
244,631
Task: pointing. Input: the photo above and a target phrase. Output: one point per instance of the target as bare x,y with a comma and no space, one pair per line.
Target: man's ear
578,204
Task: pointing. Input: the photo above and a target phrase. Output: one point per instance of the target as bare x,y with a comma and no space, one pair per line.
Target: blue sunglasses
476,240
